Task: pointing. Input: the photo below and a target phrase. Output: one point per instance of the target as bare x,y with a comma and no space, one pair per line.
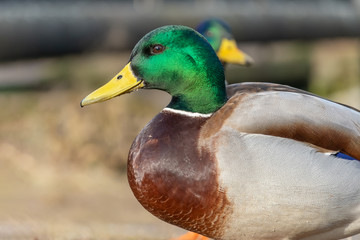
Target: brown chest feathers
174,178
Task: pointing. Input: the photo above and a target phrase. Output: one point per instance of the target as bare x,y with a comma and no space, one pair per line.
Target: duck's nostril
119,77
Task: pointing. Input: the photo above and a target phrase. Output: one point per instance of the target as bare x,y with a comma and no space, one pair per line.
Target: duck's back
283,111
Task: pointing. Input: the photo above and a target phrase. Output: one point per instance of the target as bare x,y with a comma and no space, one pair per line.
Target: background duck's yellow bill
123,82
230,53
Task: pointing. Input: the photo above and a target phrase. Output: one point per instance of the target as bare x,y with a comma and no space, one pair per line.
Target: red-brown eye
157,48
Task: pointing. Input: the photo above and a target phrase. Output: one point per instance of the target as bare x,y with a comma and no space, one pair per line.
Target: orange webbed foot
191,236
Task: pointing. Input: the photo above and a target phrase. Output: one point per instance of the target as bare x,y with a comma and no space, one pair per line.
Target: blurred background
63,168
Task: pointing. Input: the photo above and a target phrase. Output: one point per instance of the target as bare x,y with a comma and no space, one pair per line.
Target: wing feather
287,112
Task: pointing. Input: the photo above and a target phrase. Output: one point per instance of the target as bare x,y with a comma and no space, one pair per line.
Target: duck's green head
175,59
219,35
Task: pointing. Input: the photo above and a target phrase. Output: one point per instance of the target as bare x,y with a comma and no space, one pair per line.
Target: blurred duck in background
218,34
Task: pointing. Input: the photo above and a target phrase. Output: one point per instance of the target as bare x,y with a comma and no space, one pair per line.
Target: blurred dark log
46,28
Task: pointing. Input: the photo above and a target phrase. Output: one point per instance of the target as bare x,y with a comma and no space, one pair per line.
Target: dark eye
209,33
156,49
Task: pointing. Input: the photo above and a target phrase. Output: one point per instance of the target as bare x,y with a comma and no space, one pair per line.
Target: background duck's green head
175,59
219,35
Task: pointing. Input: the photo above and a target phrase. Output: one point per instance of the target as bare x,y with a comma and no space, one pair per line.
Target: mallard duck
219,35
258,165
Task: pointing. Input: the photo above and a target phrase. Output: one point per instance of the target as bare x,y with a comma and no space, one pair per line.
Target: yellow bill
123,82
230,53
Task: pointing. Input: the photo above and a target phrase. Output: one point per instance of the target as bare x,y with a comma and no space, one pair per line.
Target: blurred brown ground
63,168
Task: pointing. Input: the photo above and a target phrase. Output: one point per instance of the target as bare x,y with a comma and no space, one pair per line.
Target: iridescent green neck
207,100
